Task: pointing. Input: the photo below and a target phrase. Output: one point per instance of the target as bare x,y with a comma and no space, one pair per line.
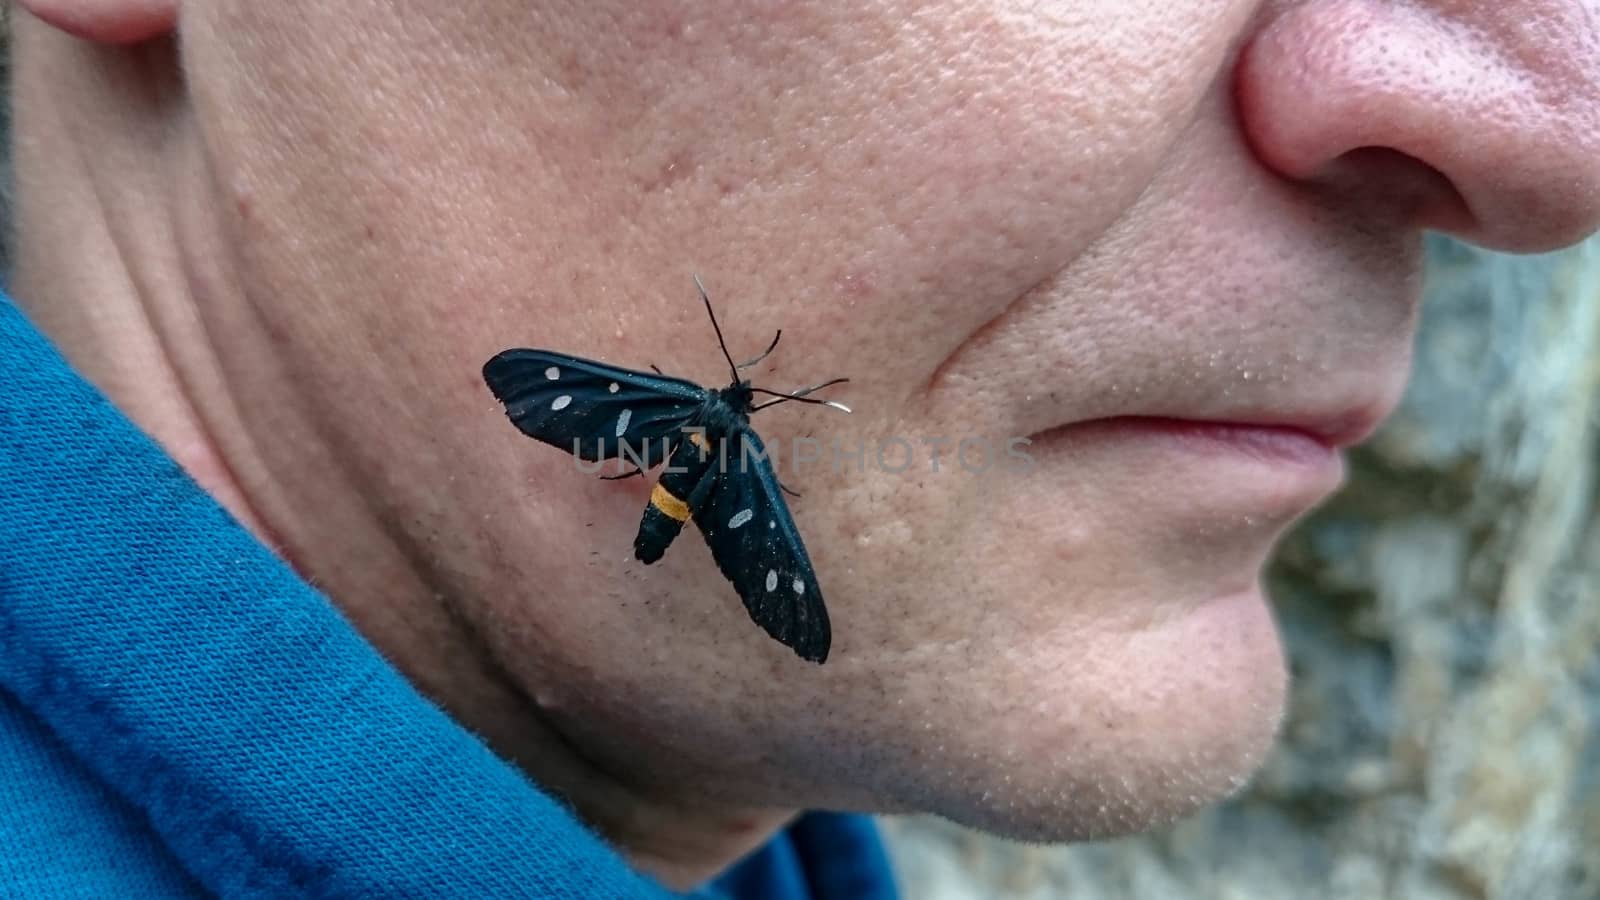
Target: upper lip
1335,390
1336,429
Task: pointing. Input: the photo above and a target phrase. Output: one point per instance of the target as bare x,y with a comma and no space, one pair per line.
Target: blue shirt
181,715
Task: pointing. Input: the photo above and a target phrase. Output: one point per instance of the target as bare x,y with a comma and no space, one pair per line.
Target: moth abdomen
662,521
669,505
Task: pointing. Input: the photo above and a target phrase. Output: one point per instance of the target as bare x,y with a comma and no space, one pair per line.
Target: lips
1331,431
1271,429
1264,441
1211,471
1335,430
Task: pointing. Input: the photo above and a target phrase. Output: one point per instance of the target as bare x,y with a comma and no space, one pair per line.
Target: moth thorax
736,399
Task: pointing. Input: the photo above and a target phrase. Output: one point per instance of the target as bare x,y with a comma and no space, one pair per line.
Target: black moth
717,472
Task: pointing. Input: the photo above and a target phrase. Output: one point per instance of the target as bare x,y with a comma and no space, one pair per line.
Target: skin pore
284,237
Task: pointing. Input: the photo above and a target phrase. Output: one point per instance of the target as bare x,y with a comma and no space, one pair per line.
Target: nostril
1395,188
1480,120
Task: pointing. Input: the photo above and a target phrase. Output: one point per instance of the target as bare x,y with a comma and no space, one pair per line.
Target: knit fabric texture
181,714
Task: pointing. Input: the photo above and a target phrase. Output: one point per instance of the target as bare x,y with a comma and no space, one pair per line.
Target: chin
1133,733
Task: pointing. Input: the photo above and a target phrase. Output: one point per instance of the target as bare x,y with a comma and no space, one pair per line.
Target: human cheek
987,151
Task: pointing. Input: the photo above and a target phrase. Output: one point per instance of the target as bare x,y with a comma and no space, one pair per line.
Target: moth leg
657,369
639,462
786,489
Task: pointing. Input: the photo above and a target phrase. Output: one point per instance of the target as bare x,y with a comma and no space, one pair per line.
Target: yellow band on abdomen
671,506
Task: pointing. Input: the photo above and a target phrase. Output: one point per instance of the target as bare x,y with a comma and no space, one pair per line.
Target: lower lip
1268,473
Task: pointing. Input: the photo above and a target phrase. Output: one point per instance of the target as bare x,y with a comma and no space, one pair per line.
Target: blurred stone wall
1442,618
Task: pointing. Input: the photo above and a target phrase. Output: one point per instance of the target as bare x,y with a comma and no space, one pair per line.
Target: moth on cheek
717,470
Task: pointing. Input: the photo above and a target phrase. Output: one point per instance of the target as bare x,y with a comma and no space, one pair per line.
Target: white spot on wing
614,387
741,517
772,523
622,421
799,587
552,373
772,579
561,401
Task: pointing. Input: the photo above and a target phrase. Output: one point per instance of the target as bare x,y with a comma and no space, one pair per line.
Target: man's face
1087,224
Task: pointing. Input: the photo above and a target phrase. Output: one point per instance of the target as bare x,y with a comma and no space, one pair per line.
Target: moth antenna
717,328
800,395
817,387
765,353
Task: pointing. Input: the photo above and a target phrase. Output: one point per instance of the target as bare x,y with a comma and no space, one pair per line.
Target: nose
1478,119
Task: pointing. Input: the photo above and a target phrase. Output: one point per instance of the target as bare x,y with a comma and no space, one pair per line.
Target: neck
131,277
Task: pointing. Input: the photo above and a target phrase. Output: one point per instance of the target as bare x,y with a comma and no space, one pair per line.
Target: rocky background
1442,617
